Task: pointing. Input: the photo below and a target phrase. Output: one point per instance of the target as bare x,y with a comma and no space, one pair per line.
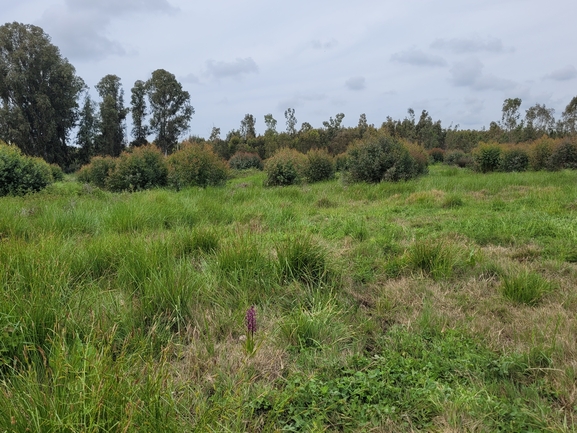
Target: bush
98,171
196,165
380,157
245,160
141,168
487,157
341,162
57,173
514,159
458,158
285,167
437,154
420,156
540,152
20,174
564,155
320,166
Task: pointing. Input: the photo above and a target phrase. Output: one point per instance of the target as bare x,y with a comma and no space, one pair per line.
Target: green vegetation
441,303
20,174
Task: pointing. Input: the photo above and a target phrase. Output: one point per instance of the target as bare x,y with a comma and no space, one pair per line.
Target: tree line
43,101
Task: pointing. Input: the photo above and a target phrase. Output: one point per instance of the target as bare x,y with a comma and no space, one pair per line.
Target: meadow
444,303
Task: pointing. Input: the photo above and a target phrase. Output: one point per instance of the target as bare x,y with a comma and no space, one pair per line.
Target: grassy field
446,303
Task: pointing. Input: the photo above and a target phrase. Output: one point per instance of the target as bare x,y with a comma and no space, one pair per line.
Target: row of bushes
20,174
289,166
542,154
376,158
146,167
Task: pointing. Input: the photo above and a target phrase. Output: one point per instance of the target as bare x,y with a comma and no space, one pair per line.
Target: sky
457,59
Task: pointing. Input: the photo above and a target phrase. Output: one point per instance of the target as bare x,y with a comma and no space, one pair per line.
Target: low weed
407,386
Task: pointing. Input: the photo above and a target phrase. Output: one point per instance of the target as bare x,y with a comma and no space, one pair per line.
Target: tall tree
510,114
112,116
570,117
540,119
39,92
429,134
291,121
170,109
363,125
88,128
214,134
247,127
333,125
138,109
270,123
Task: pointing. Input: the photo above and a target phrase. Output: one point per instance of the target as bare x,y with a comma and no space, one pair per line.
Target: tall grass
125,312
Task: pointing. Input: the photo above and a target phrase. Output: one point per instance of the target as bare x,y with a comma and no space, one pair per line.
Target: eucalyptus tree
247,127
170,109
39,92
112,116
270,123
510,116
291,121
88,129
138,110
570,117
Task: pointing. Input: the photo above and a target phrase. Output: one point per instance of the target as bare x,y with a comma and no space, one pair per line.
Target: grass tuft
525,287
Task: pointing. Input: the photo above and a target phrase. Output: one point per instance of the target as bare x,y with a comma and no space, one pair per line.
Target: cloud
79,34
418,57
318,45
236,68
355,83
190,78
473,109
79,27
469,45
469,73
564,74
300,99
114,7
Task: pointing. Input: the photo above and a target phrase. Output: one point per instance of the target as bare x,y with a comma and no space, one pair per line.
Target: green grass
445,303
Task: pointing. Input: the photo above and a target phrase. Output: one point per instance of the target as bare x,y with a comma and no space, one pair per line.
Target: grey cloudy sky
458,59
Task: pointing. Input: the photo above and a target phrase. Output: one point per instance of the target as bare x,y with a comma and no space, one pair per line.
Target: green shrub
196,165
20,174
320,166
98,171
341,162
564,155
420,156
245,160
458,158
380,157
487,157
540,152
57,173
437,154
285,167
514,159
141,168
